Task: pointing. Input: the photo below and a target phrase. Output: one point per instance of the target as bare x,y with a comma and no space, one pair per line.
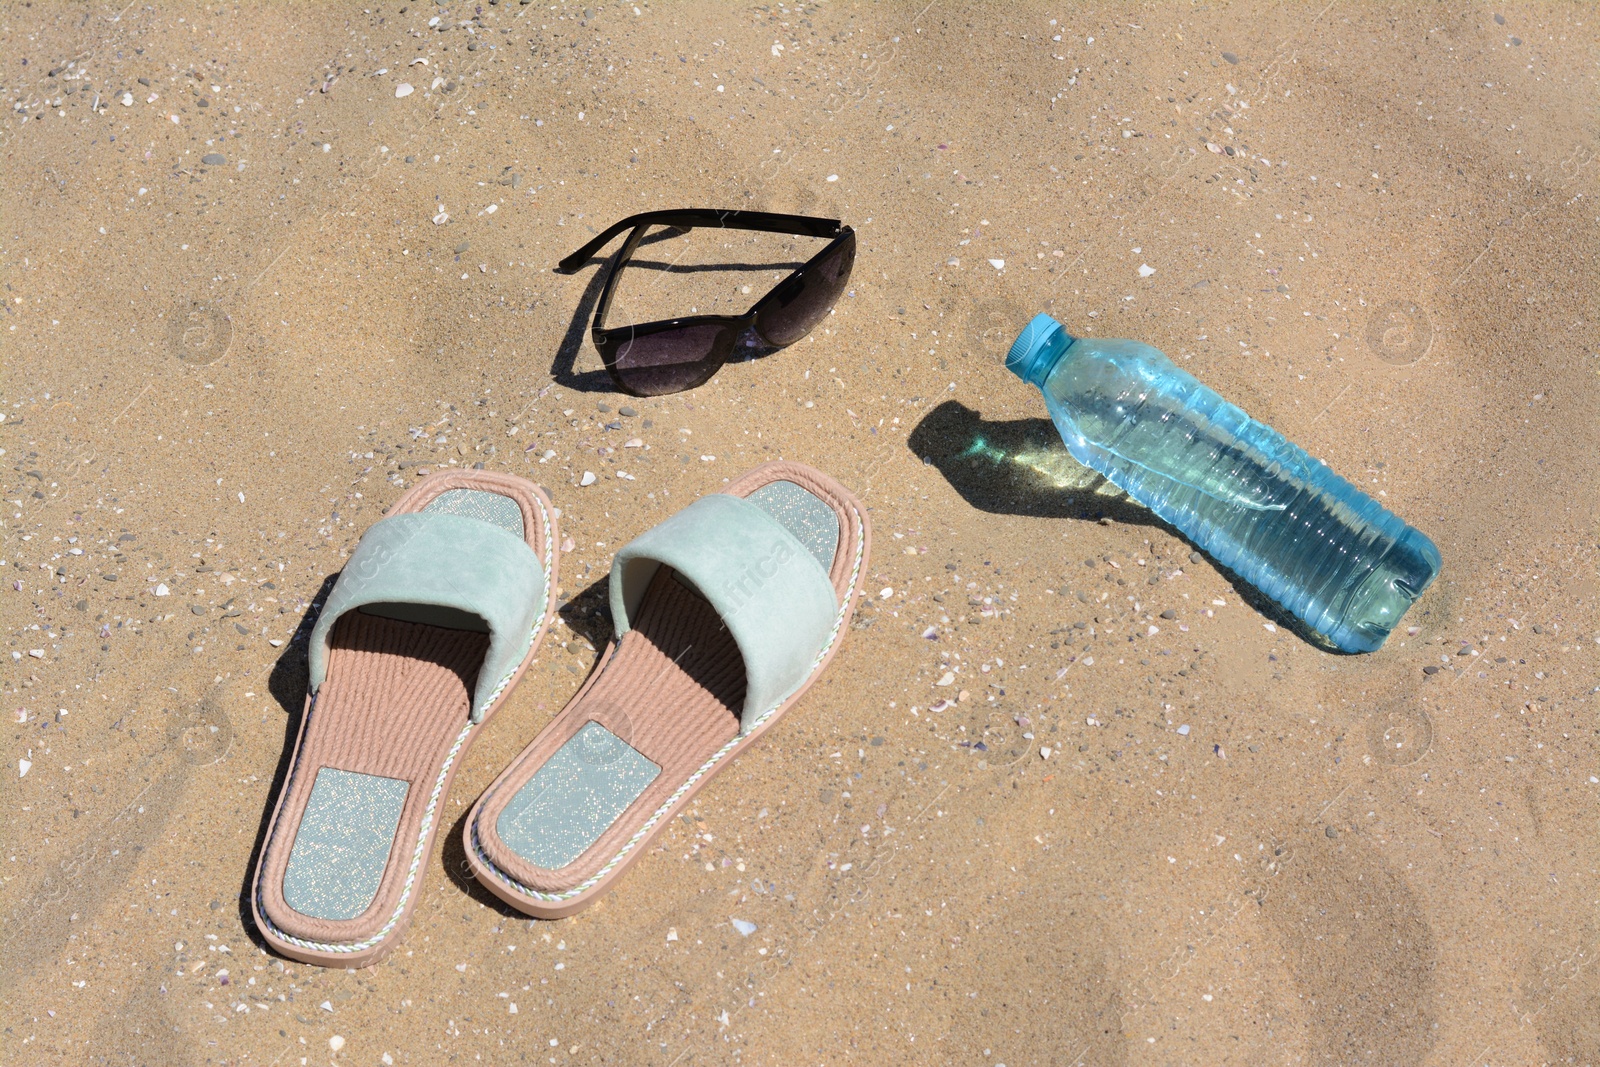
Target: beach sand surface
253,288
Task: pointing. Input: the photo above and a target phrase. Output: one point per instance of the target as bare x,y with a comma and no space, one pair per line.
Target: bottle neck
1041,345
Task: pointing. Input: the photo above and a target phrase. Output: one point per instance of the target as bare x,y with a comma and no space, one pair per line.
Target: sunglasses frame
607,340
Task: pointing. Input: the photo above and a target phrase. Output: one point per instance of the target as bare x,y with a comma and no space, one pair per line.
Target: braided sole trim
705,768
420,852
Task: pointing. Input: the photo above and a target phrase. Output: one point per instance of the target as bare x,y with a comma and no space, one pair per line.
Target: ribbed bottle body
1257,502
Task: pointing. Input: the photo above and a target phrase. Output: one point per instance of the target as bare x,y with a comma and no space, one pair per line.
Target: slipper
431,623
724,615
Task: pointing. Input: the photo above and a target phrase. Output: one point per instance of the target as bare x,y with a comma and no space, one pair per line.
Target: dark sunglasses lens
667,361
792,312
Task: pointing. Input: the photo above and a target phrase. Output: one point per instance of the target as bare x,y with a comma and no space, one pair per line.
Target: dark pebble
203,102
875,742
213,159
145,82
1195,557
1499,20
243,630
464,246
1465,652
108,577
626,412
1331,832
1283,288
82,605
197,609
1169,614
1230,57
1430,669
1516,42
1538,629
411,159
603,408
128,537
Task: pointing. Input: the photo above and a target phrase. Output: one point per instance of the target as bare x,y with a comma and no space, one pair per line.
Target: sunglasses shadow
564,368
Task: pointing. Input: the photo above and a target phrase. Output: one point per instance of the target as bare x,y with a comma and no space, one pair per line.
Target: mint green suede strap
443,561
772,594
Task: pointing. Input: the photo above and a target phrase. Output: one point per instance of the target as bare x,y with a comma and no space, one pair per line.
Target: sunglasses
653,358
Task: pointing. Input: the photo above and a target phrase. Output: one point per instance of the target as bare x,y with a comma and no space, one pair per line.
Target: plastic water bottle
1257,502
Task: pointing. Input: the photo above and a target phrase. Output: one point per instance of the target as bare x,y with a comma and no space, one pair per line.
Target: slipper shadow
588,612
1020,467
287,682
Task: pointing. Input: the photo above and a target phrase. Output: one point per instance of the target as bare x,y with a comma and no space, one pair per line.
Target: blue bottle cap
1037,348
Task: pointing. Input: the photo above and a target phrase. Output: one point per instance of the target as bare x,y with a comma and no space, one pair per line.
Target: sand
261,287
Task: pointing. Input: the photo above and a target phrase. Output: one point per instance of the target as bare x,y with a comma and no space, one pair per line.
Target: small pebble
1183,730
464,246
744,927
626,412
213,159
1230,57
587,479
1331,832
1169,614
1195,557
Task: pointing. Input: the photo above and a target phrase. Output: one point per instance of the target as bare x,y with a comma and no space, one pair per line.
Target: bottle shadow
1017,467
1020,467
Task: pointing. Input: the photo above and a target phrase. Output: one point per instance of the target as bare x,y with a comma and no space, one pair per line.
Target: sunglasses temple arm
582,255
737,219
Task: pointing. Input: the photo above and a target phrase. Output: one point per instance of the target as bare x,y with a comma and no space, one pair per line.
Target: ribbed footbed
397,695
672,691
